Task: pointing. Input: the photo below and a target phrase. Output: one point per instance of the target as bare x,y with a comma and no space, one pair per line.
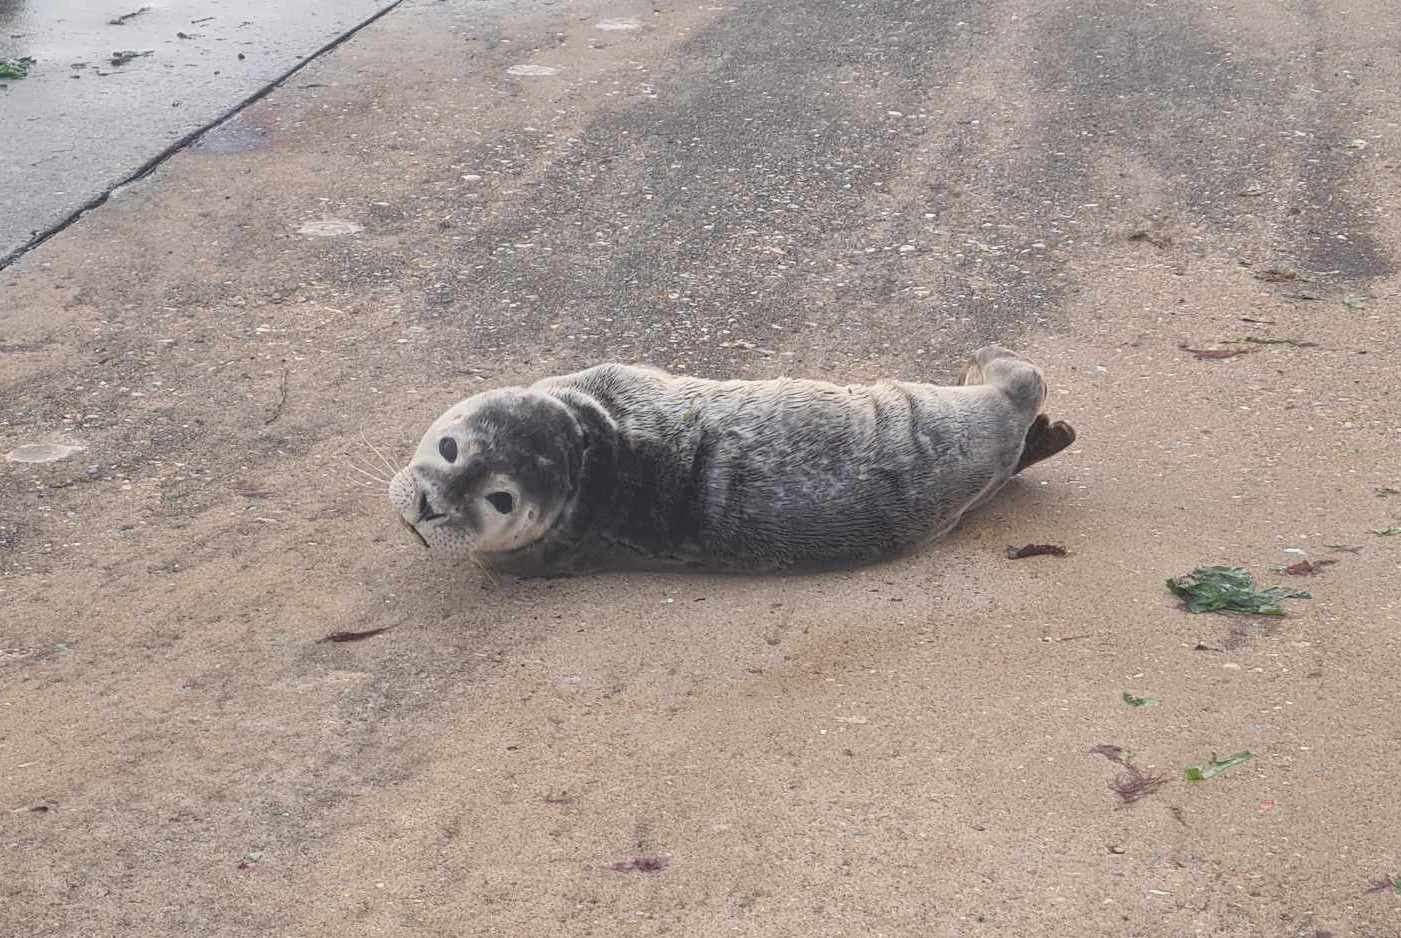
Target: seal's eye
447,448
502,502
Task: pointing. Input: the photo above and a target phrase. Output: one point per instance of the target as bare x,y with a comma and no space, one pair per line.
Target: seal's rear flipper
1043,440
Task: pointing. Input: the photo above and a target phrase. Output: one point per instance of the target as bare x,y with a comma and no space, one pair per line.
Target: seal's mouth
425,509
405,522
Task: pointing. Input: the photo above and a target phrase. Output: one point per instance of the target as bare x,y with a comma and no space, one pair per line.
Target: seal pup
626,466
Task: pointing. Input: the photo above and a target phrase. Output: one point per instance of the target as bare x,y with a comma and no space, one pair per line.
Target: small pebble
41,452
329,228
532,70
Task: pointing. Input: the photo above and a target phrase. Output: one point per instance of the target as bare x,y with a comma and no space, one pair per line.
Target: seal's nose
425,508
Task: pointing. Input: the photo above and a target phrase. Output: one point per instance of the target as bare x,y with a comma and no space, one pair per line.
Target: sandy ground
898,750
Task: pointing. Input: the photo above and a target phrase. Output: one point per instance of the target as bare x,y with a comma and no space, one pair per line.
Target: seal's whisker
368,466
481,565
389,465
366,473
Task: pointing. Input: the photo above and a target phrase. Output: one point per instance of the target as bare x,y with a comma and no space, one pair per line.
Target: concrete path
116,84
468,195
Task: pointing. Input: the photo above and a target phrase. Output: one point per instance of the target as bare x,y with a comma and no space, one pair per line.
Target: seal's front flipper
1043,440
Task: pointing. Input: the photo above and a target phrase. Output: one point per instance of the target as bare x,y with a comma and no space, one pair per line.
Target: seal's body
621,465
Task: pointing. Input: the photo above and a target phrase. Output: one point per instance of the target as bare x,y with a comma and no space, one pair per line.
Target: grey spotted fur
644,467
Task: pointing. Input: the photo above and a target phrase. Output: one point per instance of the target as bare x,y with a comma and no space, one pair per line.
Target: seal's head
492,474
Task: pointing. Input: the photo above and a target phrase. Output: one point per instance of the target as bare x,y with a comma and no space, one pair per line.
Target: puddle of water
41,452
232,136
330,228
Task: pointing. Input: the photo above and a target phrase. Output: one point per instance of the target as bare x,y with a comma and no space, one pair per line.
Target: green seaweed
1200,773
1133,701
1229,589
1387,532
15,68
